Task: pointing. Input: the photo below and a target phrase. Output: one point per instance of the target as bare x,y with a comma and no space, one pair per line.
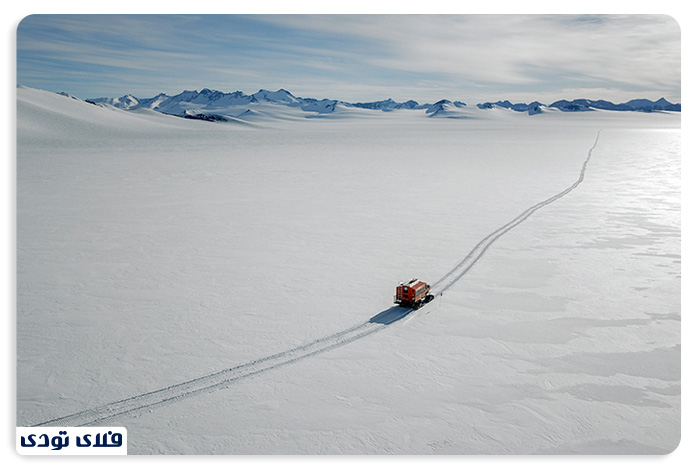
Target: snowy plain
153,250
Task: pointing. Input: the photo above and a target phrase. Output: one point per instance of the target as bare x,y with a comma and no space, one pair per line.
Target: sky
356,57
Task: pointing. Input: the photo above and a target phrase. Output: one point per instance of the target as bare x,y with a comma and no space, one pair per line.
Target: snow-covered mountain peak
281,96
283,104
439,106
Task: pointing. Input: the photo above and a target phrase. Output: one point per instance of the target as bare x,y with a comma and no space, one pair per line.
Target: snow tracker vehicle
413,293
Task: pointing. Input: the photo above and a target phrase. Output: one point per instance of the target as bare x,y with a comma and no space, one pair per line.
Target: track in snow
210,382
463,267
213,381
224,378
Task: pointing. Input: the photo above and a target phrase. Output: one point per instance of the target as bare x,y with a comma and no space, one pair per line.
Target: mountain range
215,105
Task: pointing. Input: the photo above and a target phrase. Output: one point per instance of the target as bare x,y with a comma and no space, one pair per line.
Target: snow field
153,250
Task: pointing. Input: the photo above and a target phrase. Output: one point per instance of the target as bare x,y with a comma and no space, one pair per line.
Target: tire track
463,267
217,380
214,381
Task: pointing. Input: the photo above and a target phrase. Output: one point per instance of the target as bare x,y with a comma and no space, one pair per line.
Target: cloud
515,50
344,55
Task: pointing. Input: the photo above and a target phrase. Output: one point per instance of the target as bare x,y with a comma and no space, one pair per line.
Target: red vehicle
413,293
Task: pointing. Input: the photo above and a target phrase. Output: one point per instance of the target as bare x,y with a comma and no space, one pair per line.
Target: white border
678,9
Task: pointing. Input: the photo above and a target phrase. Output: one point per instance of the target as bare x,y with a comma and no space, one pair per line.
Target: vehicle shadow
391,315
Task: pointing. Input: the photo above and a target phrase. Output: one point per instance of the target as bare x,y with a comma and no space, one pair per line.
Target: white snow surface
154,250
